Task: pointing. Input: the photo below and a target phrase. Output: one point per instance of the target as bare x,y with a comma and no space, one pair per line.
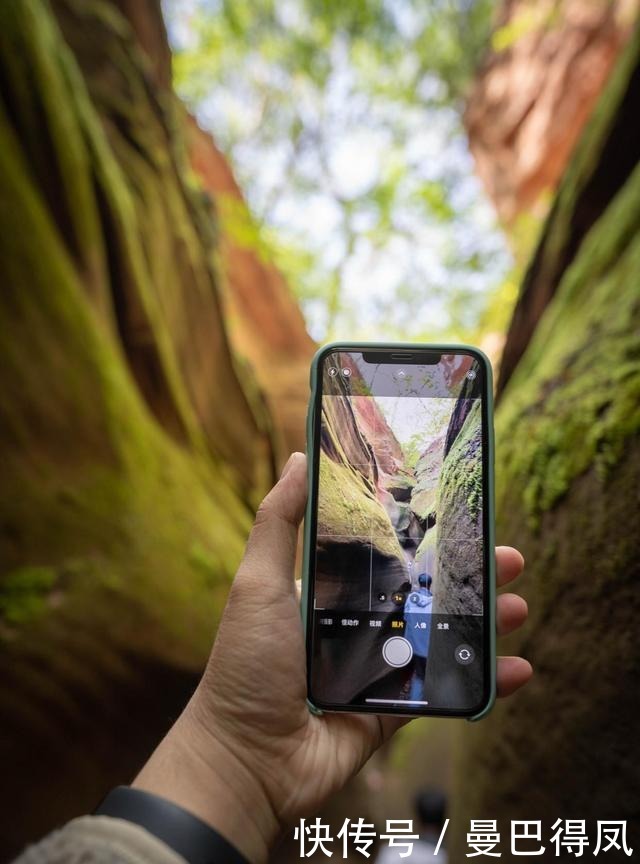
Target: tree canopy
343,125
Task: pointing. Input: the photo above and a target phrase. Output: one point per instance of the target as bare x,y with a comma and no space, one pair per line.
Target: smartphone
398,573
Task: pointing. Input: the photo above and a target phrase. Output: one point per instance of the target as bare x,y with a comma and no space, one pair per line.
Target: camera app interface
399,566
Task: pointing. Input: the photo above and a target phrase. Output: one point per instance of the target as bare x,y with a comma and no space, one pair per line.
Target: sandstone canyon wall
136,442
535,91
568,471
458,588
388,515
265,324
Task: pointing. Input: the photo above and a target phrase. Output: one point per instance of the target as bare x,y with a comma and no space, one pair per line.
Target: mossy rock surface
350,497
457,586
568,474
348,507
127,493
24,593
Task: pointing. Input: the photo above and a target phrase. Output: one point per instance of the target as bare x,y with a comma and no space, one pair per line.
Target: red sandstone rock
531,99
265,323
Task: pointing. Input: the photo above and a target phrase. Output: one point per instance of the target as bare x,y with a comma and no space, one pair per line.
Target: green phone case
490,614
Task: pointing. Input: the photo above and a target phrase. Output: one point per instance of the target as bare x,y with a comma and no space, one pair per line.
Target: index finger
509,564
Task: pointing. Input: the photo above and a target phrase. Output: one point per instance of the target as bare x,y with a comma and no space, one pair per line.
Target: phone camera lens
346,372
471,374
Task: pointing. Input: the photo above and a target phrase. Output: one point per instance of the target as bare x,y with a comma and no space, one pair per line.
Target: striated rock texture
447,501
352,499
458,571
568,473
387,450
127,492
535,92
358,552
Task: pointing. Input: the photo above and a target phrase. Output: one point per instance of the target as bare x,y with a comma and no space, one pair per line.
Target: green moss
428,542
23,593
347,507
575,398
568,474
461,475
205,562
155,526
39,62
428,465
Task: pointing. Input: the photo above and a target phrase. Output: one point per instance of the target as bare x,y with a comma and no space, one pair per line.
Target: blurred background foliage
343,122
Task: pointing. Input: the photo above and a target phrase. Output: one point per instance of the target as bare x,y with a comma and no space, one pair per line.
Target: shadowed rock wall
458,586
568,473
135,446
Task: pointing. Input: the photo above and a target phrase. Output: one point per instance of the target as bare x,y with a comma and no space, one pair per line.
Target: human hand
246,755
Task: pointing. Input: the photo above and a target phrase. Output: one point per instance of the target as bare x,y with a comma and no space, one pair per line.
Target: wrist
192,767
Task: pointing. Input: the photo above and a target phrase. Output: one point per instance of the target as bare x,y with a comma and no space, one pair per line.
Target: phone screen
398,563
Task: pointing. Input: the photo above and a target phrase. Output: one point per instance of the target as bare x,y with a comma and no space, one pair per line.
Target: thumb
270,555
